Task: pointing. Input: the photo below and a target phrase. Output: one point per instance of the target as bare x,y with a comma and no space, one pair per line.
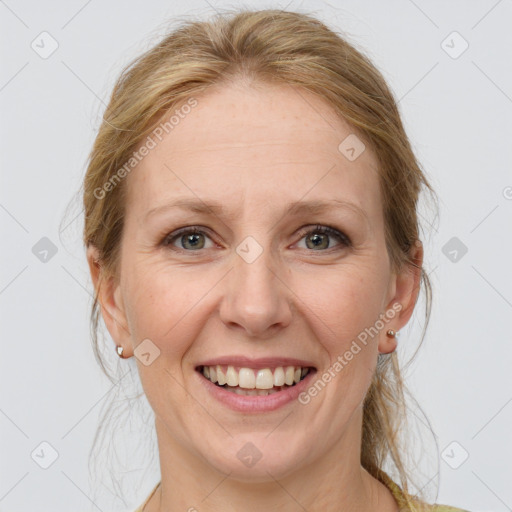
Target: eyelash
326,230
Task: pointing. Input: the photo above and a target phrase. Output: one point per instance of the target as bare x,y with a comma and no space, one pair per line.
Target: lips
263,397
252,377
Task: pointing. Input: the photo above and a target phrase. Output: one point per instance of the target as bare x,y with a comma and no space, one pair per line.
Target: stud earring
391,333
119,350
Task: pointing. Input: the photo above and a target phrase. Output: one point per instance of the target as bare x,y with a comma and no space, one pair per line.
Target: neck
330,484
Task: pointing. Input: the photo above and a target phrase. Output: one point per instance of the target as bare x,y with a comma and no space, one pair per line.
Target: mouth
248,381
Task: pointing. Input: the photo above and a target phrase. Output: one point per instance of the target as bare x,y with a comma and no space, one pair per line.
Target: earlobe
389,344
110,302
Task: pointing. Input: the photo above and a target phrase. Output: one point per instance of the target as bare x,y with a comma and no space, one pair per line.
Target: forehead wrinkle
295,208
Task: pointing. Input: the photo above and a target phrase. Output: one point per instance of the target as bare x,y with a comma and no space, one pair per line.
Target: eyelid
320,228
170,237
328,230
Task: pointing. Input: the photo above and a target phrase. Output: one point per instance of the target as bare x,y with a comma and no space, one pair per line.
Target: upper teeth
249,378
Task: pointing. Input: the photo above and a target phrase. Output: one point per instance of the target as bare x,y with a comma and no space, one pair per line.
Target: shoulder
412,505
408,503
446,508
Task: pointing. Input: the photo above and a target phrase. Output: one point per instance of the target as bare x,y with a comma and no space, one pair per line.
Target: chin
255,459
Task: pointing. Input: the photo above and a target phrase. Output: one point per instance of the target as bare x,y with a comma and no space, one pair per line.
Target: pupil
192,239
317,240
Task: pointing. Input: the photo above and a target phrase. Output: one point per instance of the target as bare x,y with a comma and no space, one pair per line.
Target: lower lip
256,403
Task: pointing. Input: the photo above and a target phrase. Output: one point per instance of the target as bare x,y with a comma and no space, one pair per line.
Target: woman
252,236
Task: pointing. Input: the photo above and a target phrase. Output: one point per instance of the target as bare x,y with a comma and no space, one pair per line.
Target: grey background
457,112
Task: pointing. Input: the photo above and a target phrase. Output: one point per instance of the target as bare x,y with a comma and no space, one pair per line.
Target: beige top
404,501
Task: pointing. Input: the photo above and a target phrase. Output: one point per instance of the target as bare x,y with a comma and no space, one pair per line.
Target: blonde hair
269,46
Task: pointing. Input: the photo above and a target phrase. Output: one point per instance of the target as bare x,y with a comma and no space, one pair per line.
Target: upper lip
263,362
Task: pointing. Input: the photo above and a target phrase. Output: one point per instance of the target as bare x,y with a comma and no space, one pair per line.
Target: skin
255,149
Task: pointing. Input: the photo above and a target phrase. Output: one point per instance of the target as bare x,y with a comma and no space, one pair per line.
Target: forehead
255,145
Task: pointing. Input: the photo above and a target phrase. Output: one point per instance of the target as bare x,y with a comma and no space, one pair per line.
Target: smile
254,382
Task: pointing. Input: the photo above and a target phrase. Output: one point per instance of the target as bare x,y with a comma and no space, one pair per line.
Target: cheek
158,304
342,302
165,306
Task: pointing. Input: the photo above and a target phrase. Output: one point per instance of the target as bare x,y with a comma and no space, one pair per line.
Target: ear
404,290
110,301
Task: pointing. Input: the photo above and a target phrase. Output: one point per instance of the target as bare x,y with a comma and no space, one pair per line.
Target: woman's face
259,286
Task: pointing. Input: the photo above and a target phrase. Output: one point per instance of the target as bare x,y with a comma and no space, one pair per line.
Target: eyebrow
294,208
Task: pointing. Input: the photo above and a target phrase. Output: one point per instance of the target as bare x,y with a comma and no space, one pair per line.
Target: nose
256,300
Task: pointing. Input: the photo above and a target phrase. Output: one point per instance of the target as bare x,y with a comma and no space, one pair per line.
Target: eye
190,239
317,238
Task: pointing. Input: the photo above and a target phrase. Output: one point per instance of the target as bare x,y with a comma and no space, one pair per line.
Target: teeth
246,378
264,379
289,374
279,376
251,392
231,377
221,376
